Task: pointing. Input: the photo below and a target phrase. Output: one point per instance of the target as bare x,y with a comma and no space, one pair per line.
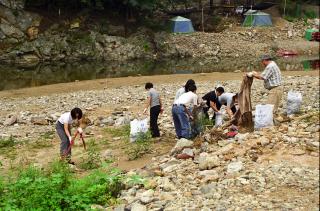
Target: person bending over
181,114
63,128
211,99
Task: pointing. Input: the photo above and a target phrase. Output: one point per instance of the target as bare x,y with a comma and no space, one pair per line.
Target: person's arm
66,130
148,103
214,106
188,112
229,111
257,76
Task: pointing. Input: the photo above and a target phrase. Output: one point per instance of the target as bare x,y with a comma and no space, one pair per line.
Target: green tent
257,18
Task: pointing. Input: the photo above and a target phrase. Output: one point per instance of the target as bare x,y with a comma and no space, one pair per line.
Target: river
13,77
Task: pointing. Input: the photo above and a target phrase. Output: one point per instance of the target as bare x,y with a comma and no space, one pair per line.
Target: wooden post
202,19
284,8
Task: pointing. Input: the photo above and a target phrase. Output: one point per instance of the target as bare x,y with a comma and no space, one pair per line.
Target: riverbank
60,44
262,166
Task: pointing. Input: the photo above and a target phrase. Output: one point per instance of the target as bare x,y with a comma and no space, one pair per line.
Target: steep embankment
23,43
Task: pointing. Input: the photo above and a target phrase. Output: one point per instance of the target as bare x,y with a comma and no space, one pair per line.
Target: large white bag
219,119
263,116
136,127
294,102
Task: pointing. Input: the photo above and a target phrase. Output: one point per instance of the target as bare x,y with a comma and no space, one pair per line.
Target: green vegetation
57,188
92,158
134,150
123,131
140,147
7,142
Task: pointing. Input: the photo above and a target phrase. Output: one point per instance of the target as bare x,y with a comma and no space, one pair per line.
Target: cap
265,57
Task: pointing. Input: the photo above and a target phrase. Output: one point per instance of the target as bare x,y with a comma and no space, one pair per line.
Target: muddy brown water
13,77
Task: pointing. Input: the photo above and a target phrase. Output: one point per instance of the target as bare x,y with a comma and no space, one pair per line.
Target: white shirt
226,99
66,118
186,99
179,93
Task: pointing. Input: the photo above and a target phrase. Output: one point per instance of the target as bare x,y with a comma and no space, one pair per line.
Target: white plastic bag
263,116
219,119
294,102
136,127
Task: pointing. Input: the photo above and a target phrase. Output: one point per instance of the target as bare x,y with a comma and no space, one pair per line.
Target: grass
7,142
57,188
134,150
123,131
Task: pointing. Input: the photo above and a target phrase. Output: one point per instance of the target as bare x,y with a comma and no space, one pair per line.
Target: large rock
208,162
11,119
124,120
13,4
39,121
147,196
28,60
10,30
181,144
138,207
234,167
209,175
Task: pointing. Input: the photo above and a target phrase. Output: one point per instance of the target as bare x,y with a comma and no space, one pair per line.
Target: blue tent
181,25
257,18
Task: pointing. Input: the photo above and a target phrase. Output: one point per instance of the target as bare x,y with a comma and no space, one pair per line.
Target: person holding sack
272,81
63,128
155,104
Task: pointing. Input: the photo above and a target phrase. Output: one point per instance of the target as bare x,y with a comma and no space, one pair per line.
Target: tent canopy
181,25
257,18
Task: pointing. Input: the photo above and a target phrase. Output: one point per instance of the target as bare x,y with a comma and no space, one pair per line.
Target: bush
58,189
92,159
310,14
140,147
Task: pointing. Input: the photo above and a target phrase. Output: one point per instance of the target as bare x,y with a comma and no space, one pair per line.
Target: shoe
71,162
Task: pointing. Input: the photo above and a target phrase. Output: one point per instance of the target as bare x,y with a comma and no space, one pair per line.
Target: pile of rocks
234,174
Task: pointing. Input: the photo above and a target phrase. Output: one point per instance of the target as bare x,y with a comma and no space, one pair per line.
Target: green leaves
57,189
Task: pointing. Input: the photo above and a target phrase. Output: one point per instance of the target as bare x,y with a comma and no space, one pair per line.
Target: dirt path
128,81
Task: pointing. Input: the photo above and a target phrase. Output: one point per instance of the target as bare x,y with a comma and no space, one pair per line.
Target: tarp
181,25
257,18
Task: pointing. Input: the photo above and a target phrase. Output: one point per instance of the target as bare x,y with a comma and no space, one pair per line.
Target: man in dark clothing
211,99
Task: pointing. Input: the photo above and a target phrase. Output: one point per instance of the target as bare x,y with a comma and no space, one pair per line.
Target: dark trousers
154,114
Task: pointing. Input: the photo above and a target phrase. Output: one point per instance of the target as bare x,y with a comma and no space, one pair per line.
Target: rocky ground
271,169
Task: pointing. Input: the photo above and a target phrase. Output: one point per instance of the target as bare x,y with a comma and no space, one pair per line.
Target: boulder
28,60
10,120
234,167
138,207
181,144
186,154
10,30
122,121
39,121
147,196
209,175
208,162
13,4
